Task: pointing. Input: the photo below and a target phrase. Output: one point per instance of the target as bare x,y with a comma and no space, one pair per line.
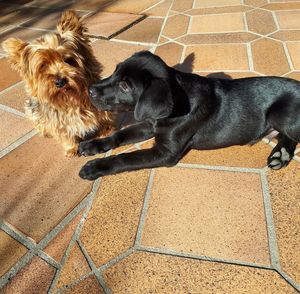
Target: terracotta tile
89,285
106,24
58,245
25,34
217,38
162,40
112,223
260,21
255,3
127,6
170,53
14,97
219,57
284,187
289,35
229,75
210,213
34,278
179,5
8,77
12,128
282,6
47,19
269,57
74,267
216,10
215,23
288,19
111,53
10,252
123,149
294,75
52,3
176,26
240,156
147,31
170,274
39,186
160,9
215,3
294,48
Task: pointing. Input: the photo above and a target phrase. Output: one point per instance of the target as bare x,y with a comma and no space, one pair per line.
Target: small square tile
12,128
229,22
210,213
106,24
147,31
219,57
110,53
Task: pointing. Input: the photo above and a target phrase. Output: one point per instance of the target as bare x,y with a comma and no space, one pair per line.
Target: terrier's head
58,67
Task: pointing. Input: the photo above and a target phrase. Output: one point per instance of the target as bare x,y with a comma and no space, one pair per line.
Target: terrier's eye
71,61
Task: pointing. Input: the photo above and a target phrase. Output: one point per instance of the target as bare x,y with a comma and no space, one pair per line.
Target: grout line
218,167
12,111
250,59
275,20
17,143
201,257
289,280
245,22
132,42
94,269
144,209
77,232
149,8
116,260
270,222
288,57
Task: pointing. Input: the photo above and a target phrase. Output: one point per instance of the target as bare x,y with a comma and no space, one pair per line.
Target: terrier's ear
14,48
70,22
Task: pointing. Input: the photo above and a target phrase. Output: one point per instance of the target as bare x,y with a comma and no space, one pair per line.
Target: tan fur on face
63,113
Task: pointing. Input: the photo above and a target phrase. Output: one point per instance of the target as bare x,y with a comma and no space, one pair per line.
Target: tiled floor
218,222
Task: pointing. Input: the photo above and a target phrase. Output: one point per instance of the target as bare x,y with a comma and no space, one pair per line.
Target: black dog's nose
60,82
93,91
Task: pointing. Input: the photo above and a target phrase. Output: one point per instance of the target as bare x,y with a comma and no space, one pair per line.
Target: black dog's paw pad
87,148
279,159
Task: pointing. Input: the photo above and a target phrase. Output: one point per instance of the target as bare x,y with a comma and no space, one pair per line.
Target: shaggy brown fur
57,70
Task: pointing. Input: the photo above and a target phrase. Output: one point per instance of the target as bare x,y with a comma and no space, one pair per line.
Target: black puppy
185,111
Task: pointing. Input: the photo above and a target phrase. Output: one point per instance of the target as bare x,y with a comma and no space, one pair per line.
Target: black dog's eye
123,85
71,61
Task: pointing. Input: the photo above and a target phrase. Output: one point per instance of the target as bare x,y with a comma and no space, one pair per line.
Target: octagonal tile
180,6
260,21
170,53
269,57
176,26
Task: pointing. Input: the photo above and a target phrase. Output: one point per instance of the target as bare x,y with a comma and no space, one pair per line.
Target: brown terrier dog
57,69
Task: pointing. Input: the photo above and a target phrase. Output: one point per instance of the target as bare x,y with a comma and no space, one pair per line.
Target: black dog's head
140,84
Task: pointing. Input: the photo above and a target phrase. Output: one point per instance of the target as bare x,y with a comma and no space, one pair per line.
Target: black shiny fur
185,111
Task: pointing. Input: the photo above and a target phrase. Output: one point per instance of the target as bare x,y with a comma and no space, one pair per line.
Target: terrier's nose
92,91
60,82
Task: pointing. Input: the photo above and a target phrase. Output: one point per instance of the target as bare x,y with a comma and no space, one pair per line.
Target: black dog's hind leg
129,135
282,153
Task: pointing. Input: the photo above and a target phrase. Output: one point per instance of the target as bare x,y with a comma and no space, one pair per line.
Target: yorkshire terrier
57,69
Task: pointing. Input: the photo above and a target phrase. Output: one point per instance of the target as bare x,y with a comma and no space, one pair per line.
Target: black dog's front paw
279,158
91,147
94,169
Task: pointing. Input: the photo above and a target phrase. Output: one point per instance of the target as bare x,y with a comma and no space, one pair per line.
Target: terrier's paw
279,159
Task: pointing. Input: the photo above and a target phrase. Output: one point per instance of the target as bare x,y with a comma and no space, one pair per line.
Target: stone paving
218,222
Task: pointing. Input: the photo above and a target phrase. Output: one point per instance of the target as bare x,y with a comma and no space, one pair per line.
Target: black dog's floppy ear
155,102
